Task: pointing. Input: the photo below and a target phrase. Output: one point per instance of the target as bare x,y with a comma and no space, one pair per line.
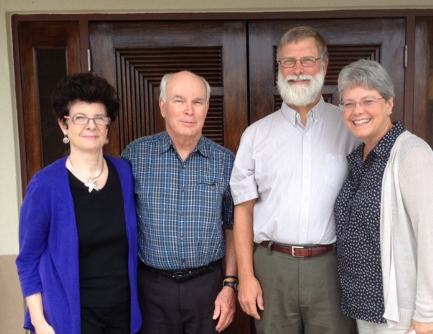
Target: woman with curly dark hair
78,232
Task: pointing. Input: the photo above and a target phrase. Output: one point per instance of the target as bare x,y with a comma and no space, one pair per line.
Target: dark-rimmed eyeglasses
291,62
83,120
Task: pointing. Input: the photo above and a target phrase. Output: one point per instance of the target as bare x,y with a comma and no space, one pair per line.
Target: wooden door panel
423,90
34,38
347,40
142,68
134,56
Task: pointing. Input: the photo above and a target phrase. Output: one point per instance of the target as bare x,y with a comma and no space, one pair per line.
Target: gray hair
368,74
166,78
300,33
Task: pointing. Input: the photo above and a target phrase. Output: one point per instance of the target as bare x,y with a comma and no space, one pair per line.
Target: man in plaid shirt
185,216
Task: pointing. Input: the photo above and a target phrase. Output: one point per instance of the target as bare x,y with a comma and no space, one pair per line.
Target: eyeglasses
366,103
82,120
291,62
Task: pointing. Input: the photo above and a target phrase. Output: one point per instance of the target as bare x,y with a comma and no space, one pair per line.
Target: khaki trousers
301,295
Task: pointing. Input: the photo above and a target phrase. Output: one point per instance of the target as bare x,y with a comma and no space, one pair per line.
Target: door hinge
405,57
89,60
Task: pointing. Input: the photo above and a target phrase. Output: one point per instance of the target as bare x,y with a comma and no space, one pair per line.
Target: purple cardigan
48,258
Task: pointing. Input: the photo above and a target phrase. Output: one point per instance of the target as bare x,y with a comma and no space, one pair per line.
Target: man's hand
250,296
225,308
421,327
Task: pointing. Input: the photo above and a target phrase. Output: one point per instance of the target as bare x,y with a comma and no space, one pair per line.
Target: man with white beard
288,171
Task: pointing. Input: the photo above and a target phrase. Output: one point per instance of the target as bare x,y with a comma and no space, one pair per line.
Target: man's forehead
311,41
182,83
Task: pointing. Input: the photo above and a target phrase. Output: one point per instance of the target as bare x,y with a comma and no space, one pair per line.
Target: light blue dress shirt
295,172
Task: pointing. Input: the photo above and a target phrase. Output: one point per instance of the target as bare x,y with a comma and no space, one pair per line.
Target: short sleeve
242,182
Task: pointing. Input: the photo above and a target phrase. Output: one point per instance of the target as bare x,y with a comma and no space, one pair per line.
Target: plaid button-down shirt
182,206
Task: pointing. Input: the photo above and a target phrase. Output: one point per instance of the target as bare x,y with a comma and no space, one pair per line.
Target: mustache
301,77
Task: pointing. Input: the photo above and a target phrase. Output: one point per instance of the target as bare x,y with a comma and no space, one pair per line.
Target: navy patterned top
357,217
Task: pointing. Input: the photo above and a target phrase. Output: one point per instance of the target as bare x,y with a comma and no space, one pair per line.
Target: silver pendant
91,185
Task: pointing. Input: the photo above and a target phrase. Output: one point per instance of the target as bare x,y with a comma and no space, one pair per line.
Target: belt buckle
178,275
293,251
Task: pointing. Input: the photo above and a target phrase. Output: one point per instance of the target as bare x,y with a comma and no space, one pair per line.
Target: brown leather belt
299,251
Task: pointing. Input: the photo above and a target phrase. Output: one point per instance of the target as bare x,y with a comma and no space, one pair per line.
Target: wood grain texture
134,56
379,39
40,35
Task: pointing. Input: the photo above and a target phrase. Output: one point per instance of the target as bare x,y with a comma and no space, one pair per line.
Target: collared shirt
295,172
357,216
181,205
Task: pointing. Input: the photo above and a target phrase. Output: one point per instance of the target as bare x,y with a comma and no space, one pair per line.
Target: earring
107,141
66,140
390,113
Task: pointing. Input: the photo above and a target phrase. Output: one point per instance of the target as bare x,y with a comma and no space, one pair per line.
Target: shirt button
183,188
183,166
181,238
183,260
303,230
181,213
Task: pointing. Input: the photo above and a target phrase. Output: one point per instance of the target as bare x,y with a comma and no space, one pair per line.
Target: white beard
300,95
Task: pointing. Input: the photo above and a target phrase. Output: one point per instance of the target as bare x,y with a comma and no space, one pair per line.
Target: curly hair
87,87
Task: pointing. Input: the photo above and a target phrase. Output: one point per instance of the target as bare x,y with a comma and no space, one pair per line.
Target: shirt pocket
336,170
209,195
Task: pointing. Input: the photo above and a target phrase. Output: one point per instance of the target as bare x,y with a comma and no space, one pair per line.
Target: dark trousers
106,320
170,307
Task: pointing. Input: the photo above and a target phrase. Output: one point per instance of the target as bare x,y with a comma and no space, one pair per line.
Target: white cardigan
406,232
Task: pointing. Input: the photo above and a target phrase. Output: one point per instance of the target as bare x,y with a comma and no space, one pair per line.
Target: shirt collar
385,144
293,117
166,143
354,159
381,150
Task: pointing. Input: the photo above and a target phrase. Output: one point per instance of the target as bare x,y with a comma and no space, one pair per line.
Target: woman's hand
44,329
421,327
37,317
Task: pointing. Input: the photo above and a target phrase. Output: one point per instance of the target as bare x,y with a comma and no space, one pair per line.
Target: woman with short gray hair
384,212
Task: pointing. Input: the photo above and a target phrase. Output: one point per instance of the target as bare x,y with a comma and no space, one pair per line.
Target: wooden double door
238,60
236,57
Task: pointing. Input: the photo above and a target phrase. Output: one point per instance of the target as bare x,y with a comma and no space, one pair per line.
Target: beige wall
10,186
11,302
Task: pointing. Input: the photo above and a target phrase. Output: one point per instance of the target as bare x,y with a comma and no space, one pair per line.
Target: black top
357,217
103,245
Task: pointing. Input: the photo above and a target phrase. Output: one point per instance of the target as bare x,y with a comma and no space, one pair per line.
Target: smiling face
372,123
89,137
299,79
185,107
